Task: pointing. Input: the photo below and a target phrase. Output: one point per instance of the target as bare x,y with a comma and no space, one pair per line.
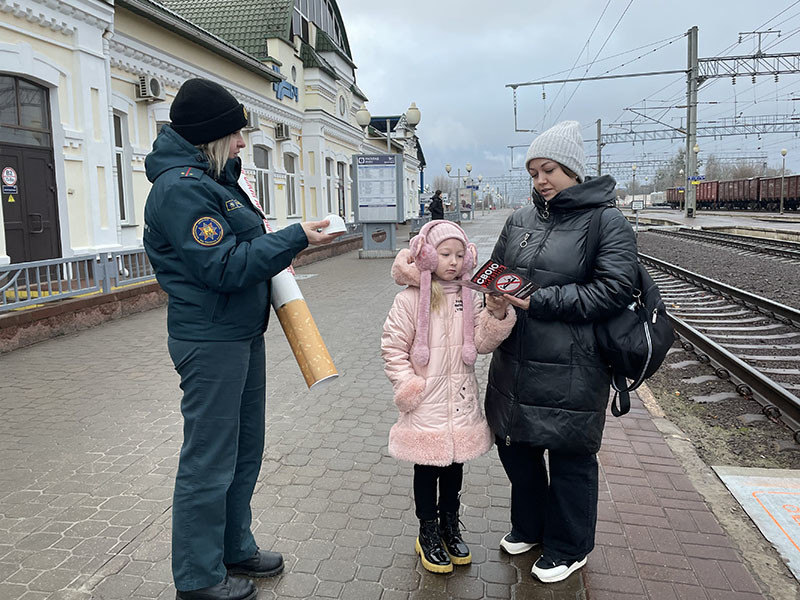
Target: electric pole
691,126
599,145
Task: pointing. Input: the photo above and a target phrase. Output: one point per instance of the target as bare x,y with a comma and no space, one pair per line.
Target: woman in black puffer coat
548,387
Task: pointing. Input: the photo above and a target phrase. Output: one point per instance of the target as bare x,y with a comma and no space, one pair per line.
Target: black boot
453,542
262,564
430,549
230,588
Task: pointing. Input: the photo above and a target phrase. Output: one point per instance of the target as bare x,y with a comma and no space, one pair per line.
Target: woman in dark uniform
213,258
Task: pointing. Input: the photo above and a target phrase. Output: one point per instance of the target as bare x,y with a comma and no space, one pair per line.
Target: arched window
24,113
262,160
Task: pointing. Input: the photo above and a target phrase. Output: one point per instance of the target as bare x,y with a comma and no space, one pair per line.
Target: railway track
779,248
750,340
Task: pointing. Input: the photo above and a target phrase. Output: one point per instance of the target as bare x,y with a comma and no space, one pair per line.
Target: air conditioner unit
150,89
282,132
252,121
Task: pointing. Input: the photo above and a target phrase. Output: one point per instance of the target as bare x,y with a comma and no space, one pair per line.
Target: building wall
91,55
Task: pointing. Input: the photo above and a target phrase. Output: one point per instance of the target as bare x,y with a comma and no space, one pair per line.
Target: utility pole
599,144
691,125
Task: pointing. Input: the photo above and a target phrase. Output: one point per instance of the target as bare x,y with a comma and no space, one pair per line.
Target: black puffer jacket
547,384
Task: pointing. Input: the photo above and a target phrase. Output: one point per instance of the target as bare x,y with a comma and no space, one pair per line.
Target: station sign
637,205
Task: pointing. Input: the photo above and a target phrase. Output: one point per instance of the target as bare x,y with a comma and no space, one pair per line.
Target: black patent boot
453,542
431,550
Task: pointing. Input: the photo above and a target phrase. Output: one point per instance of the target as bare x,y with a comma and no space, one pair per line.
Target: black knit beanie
204,111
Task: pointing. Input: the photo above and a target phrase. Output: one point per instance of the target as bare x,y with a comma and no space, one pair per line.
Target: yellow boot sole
429,566
461,560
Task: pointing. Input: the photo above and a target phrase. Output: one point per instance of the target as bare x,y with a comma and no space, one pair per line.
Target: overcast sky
454,59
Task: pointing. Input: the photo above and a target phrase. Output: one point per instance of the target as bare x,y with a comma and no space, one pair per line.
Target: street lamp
413,117
783,170
633,185
467,181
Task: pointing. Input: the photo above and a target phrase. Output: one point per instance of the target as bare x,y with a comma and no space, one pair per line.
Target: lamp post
681,187
378,231
691,191
783,170
448,167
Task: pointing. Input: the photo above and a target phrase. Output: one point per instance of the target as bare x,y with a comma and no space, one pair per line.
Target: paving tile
86,485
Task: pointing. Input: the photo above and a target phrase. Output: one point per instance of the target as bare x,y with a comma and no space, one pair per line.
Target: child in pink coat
433,333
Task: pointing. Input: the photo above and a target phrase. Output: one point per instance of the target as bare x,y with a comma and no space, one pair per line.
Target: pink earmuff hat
423,249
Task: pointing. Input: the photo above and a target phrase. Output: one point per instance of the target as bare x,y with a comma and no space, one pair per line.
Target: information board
378,188
637,205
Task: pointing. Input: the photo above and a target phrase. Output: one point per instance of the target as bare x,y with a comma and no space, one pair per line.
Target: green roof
247,24
312,59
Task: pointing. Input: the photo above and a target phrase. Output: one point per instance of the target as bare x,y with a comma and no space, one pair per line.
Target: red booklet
494,278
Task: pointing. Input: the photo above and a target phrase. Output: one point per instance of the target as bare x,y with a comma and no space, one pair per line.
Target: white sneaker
548,570
514,545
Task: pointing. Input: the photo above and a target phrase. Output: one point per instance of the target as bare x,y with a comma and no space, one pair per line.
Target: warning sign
9,176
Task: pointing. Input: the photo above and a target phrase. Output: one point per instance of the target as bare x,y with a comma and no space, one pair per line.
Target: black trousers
449,479
560,512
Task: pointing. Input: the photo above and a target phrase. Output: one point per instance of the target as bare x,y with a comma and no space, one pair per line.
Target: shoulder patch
207,231
233,204
191,172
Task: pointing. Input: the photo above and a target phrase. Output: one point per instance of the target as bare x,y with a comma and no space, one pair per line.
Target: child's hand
497,305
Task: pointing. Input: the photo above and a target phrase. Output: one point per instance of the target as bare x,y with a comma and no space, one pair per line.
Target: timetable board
378,188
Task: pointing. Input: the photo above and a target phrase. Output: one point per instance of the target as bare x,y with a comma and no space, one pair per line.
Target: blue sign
10,189
472,187
696,178
284,88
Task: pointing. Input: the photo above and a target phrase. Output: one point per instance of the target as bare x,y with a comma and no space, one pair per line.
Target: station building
85,85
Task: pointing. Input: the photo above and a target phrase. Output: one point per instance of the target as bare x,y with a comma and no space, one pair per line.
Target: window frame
264,180
123,159
292,193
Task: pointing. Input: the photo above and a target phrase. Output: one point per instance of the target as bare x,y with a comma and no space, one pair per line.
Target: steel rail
717,238
777,401
764,390
764,305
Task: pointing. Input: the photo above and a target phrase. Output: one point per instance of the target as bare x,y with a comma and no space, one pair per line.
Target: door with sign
30,209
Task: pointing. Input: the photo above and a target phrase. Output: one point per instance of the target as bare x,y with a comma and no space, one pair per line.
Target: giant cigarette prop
296,321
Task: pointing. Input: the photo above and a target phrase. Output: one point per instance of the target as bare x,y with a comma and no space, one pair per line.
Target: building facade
85,85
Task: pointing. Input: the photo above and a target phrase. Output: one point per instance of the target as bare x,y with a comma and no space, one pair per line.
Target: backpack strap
623,394
618,382
593,240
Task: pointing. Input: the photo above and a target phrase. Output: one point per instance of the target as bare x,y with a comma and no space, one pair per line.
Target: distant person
548,387
213,258
430,340
436,208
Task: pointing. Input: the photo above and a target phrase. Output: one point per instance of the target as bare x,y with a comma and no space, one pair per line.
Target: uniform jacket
440,421
547,383
208,246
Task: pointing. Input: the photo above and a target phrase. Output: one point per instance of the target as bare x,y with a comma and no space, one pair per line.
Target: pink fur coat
441,420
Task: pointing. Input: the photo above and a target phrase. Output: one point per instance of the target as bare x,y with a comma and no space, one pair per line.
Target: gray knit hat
562,143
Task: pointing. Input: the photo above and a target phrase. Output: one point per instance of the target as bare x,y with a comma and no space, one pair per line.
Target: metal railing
40,281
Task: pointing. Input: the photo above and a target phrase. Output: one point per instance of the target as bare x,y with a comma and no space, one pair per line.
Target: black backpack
635,341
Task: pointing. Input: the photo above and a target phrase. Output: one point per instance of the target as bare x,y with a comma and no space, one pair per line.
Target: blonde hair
217,152
437,295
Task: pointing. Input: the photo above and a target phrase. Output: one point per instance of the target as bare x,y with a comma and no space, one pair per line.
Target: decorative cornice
139,59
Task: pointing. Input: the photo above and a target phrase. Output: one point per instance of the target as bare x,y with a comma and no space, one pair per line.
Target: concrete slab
771,497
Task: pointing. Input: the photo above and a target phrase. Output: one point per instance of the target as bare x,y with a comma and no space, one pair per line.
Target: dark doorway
30,203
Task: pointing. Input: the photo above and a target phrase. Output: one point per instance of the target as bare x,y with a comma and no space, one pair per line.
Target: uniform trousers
560,512
223,406
449,480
